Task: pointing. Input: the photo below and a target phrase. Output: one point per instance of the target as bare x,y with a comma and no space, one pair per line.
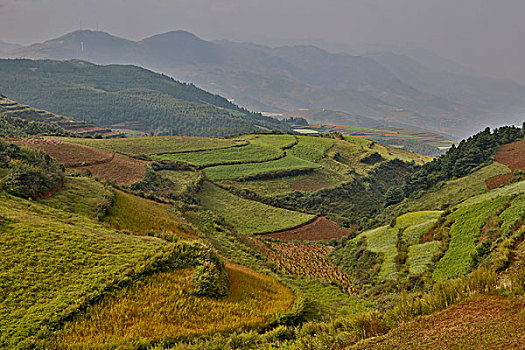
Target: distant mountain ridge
391,88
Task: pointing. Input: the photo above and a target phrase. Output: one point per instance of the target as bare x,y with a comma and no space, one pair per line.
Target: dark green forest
108,95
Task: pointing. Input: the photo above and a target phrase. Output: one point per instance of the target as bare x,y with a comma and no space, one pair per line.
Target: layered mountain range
387,87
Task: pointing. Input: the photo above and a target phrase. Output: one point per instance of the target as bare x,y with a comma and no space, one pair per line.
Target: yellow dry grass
162,307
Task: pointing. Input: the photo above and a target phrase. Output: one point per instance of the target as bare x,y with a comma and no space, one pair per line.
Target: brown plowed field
71,155
485,322
121,169
511,155
321,229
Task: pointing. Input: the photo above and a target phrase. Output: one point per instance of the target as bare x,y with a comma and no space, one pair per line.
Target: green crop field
317,180
181,179
509,190
455,191
80,195
420,256
467,226
259,149
413,234
154,145
144,217
383,240
240,171
248,217
53,262
514,213
311,148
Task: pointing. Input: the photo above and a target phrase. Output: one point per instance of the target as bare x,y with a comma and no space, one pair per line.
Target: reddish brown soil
485,322
321,229
498,180
71,155
121,169
511,155
103,164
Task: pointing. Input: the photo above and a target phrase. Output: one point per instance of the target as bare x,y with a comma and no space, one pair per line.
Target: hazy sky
487,35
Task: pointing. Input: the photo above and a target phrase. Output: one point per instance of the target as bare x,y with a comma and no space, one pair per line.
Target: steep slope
127,97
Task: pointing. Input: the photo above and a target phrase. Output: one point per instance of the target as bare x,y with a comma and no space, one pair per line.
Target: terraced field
53,262
469,220
101,163
134,146
235,211
141,216
303,259
321,229
71,155
287,165
163,307
384,240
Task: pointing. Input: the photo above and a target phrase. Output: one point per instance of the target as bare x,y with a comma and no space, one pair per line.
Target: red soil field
321,229
121,169
103,164
511,155
71,155
485,322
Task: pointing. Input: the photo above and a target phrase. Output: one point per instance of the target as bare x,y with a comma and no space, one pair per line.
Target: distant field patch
246,216
261,148
321,229
181,179
311,148
162,307
144,217
240,171
70,155
121,169
155,144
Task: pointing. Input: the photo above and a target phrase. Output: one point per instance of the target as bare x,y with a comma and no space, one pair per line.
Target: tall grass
145,217
162,307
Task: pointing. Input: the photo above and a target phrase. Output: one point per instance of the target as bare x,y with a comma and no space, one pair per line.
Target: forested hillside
126,97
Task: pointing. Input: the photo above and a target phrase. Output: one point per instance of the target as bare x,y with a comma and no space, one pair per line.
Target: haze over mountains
388,87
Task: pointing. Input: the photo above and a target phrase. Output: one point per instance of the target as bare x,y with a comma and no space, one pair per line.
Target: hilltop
386,86
127,98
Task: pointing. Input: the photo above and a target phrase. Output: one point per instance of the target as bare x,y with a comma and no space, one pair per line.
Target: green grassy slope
53,262
248,217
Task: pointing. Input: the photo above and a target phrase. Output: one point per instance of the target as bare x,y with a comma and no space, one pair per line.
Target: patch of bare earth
483,322
511,155
121,169
321,229
71,155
